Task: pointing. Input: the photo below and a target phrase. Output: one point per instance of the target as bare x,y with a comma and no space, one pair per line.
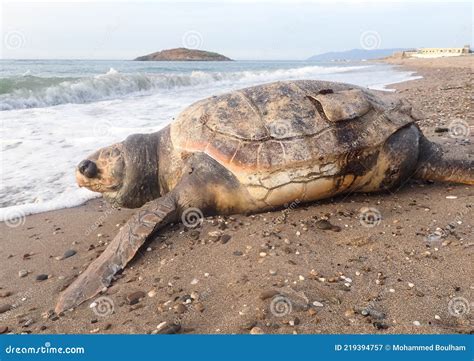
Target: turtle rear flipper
153,216
434,165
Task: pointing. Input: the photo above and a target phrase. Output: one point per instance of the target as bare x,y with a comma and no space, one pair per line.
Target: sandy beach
404,275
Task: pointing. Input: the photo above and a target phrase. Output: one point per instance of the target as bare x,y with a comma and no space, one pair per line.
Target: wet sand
390,278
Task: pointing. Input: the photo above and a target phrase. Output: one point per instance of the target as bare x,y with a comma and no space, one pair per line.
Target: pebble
272,272
256,331
69,253
152,293
149,249
5,308
437,317
225,238
268,294
135,297
237,253
3,329
327,226
4,294
317,304
301,278
194,281
262,254
165,329
451,197
22,273
411,285
180,308
42,277
199,307
417,323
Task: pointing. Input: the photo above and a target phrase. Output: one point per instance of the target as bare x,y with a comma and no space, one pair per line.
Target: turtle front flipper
151,217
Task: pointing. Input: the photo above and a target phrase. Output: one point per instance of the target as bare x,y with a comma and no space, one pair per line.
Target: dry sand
384,279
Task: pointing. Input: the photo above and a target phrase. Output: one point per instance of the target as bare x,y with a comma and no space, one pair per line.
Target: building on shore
436,52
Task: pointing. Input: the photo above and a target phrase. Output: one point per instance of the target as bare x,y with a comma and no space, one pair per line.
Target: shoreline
76,197
392,256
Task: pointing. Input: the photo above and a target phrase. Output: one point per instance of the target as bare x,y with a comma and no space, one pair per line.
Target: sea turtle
254,150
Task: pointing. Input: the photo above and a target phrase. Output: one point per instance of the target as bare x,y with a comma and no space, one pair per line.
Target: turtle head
126,173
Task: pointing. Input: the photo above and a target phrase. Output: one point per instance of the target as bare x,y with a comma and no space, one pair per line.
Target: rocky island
183,54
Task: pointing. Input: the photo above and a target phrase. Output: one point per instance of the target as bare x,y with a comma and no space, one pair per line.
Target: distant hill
183,54
355,54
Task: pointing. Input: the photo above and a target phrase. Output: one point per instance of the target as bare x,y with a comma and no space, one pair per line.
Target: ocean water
55,112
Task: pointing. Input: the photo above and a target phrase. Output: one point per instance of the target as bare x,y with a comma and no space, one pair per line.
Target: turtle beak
87,168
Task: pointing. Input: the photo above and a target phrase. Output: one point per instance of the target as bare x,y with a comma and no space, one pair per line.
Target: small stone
262,254
135,297
180,308
3,329
272,272
5,308
165,329
312,312
323,224
301,278
199,307
194,281
451,197
437,317
391,290
69,253
237,253
417,323
152,293
149,249
317,304
256,331
42,277
411,285
225,238
268,294
215,236
22,273
380,325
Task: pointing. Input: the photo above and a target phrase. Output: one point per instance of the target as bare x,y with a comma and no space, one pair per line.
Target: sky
279,30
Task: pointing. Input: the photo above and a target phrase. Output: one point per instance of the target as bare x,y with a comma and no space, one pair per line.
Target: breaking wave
28,91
